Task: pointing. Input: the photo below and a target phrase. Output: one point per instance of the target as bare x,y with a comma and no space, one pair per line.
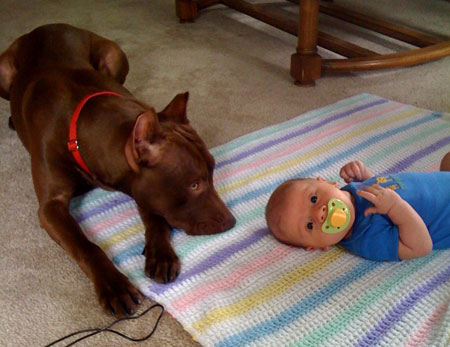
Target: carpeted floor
237,72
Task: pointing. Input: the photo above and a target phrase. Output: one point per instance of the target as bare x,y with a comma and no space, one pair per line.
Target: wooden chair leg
306,63
186,10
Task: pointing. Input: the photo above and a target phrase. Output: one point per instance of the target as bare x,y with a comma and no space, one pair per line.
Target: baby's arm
355,171
414,238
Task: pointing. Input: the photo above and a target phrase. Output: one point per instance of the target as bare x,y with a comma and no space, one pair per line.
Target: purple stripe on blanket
213,260
409,160
121,199
299,132
395,315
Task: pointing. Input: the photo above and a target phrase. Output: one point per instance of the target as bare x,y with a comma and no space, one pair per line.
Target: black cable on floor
94,331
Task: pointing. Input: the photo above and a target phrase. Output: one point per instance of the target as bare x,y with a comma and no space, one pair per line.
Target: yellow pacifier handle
338,218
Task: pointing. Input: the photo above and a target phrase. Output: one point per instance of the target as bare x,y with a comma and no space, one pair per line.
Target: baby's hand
355,171
383,199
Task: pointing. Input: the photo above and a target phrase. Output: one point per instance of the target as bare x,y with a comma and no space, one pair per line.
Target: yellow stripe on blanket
276,288
119,237
329,146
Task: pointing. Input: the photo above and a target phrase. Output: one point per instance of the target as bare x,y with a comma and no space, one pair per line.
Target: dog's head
174,171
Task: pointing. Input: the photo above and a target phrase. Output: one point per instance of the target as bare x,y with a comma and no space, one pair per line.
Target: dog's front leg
114,291
161,261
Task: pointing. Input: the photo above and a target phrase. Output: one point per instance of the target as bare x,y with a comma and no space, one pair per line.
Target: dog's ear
176,109
8,69
144,144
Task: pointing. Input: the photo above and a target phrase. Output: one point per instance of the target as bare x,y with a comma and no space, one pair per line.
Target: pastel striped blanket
242,287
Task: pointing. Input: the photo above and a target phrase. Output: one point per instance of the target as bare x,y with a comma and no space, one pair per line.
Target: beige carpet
237,71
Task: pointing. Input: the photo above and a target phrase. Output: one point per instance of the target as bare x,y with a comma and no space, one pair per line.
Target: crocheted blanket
243,287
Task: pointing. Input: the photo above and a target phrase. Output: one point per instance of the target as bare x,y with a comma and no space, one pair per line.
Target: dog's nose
228,223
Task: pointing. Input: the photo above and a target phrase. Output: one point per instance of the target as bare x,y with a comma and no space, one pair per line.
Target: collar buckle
72,145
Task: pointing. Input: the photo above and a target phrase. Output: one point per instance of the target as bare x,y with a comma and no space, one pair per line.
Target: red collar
72,144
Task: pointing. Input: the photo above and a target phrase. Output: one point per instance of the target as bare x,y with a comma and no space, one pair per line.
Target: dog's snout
220,224
203,228
225,221
228,223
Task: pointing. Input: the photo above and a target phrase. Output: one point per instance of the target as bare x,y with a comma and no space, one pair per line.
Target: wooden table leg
306,63
186,10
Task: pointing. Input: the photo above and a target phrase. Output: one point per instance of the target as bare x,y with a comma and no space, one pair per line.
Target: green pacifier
338,217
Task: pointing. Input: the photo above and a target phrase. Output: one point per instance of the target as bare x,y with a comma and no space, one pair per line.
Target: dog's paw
116,294
163,267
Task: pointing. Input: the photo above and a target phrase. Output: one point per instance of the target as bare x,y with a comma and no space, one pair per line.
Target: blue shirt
375,237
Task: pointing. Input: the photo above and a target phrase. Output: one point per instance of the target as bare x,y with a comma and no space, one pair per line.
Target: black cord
95,331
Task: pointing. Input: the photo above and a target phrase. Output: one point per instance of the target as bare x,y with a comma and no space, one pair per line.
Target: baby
392,217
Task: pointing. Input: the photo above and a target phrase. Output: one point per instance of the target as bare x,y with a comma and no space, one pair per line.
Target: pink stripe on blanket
201,293
254,164
112,221
422,333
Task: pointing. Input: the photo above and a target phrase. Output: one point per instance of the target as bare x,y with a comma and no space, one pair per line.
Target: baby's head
310,213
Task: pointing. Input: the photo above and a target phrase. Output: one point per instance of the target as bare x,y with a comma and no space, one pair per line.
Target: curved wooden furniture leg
407,58
306,63
430,47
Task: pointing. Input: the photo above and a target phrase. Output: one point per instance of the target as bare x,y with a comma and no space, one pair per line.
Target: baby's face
306,209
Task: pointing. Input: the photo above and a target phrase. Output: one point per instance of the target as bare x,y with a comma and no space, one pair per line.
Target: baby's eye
314,199
310,225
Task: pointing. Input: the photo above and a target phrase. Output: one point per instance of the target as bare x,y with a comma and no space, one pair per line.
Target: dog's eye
194,186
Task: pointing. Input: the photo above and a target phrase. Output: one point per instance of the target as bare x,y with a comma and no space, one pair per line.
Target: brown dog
117,142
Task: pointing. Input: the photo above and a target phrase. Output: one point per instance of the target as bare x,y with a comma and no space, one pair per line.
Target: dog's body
158,159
